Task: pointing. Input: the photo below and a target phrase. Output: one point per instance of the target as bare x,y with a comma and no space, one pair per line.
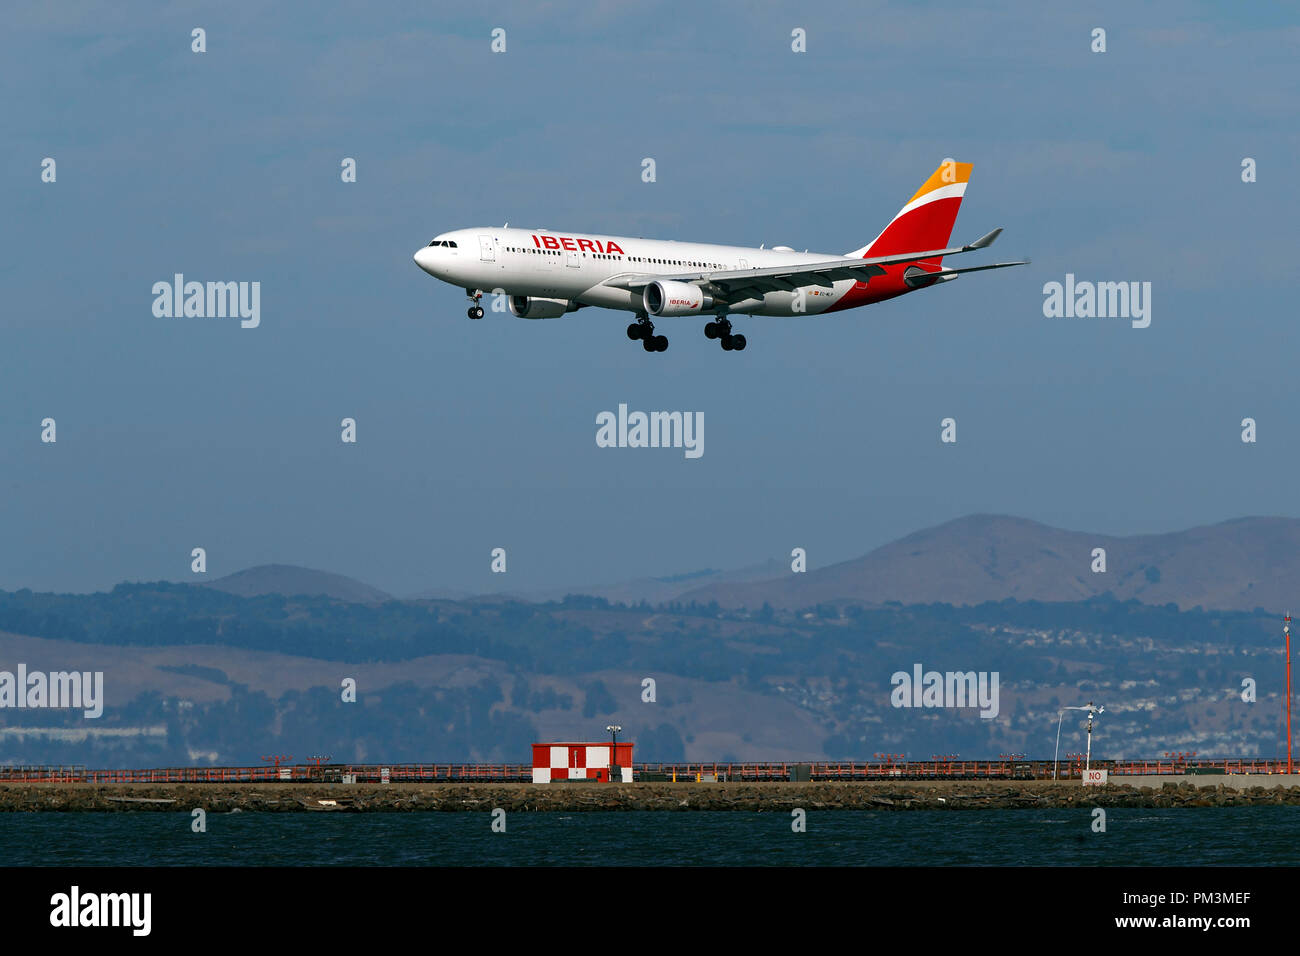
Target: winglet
983,242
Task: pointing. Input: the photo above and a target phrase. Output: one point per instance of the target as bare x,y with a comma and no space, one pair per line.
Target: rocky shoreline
927,795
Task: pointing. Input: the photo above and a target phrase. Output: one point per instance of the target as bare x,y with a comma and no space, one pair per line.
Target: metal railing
748,772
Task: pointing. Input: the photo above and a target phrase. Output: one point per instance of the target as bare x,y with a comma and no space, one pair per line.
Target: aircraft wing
744,283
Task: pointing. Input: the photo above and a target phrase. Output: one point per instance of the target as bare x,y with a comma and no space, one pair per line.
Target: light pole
278,759
1091,716
613,730
1056,757
1286,627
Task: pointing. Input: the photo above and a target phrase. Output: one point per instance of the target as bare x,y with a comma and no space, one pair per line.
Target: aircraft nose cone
424,259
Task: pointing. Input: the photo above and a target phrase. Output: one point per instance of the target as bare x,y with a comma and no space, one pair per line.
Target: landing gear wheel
644,330
721,329
738,343
475,311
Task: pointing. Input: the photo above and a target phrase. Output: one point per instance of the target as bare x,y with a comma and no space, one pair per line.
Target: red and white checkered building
585,761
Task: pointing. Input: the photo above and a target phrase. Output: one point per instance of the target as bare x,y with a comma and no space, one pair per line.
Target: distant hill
1237,565
290,580
1243,564
660,590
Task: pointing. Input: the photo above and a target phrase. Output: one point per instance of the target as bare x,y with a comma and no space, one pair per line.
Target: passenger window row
601,255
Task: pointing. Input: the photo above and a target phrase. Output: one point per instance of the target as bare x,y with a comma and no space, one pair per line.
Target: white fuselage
575,266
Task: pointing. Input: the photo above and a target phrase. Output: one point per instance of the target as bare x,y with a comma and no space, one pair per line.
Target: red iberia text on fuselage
578,245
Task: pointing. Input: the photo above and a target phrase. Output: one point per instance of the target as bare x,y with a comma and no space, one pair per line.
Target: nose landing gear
475,310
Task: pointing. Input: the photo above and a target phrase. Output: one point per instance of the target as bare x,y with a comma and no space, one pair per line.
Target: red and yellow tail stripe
927,219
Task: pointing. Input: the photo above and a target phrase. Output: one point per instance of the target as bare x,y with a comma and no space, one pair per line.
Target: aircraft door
486,249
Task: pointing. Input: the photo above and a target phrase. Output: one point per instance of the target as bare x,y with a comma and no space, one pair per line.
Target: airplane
546,275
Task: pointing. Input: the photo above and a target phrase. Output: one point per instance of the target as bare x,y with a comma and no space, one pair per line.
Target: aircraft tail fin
926,221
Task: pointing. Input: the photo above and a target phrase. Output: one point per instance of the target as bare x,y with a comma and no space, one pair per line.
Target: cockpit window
450,244
444,242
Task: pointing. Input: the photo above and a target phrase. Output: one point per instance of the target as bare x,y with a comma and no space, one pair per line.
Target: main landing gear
721,329
644,330
475,310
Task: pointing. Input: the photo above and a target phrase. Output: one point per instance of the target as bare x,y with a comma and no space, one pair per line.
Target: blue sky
823,434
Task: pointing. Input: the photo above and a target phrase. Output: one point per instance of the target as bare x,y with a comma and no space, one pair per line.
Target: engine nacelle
531,307
675,298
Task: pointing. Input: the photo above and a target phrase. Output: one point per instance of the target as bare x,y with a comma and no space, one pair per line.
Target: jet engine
675,298
531,307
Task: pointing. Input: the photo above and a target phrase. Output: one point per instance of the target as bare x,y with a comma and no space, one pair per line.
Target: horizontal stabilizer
994,265
917,278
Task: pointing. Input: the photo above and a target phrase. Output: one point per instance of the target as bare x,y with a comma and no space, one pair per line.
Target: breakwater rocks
918,795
